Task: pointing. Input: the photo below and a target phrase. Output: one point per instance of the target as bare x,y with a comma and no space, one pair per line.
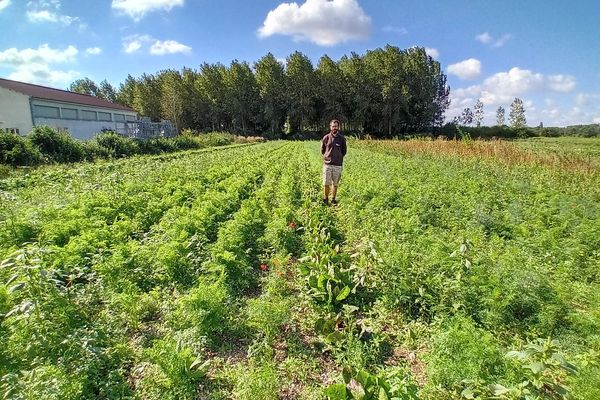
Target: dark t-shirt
333,149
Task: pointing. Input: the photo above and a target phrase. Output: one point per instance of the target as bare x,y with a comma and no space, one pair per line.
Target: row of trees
516,117
386,91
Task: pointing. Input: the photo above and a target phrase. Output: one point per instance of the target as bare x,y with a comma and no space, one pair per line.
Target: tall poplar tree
500,116
478,113
516,117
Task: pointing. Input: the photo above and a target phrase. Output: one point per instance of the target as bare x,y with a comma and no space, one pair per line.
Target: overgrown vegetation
45,145
447,271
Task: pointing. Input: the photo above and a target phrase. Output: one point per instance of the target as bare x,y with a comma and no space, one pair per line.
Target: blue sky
546,53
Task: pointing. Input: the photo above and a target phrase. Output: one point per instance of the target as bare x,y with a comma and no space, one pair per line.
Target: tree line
387,91
516,118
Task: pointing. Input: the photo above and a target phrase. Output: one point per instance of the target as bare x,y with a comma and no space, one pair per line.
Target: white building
23,106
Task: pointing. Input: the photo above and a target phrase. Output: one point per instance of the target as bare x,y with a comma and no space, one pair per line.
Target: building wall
81,121
15,112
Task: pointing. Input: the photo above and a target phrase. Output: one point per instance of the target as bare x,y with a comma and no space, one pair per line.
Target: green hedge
45,145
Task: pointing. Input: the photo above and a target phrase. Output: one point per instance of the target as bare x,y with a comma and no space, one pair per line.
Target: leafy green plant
170,371
543,368
359,384
330,274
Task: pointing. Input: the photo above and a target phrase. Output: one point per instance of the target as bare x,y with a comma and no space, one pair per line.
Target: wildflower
264,267
292,225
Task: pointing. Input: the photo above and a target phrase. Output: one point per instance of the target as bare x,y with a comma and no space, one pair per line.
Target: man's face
334,126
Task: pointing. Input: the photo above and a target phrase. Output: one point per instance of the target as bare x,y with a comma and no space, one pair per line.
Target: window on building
68,113
10,130
103,116
119,117
45,112
130,117
88,115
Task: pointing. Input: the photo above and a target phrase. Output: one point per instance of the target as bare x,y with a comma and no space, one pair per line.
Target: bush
215,139
463,351
15,150
117,146
526,302
152,146
186,141
205,309
56,146
4,171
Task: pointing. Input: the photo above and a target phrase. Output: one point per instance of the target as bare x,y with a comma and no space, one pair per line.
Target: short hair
334,120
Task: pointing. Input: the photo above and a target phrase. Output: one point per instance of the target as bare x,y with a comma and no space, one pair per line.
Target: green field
448,270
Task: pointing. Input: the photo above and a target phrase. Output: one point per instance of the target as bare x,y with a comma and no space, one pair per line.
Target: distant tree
106,91
171,97
85,86
301,87
331,93
147,97
126,93
466,118
211,86
478,113
243,96
270,77
361,101
500,116
386,66
517,114
425,90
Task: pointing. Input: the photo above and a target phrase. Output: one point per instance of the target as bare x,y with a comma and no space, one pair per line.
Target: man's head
334,126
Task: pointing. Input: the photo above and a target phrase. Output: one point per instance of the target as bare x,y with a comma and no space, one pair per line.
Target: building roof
48,93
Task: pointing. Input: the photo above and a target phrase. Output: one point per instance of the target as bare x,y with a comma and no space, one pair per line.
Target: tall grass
509,153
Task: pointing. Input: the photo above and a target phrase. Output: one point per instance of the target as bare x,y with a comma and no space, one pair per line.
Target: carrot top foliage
446,271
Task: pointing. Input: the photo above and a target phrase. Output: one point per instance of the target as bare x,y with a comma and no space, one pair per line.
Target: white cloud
137,9
501,88
585,99
431,52
562,83
160,48
132,44
93,51
504,86
44,54
467,69
502,40
484,38
42,75
34,65
488,39
4,4
395,29
324,22
596,120
48,11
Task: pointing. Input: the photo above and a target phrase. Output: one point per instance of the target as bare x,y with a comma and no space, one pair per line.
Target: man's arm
344,147
323,145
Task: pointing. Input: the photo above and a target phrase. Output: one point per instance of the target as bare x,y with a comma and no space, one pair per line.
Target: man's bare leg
333,192
326,192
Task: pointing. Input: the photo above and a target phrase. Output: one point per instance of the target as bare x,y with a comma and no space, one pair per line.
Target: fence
145,129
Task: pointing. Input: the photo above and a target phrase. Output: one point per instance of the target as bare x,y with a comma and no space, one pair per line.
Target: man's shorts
331,174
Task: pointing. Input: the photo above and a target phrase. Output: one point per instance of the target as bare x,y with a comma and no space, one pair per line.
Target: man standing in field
333,149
